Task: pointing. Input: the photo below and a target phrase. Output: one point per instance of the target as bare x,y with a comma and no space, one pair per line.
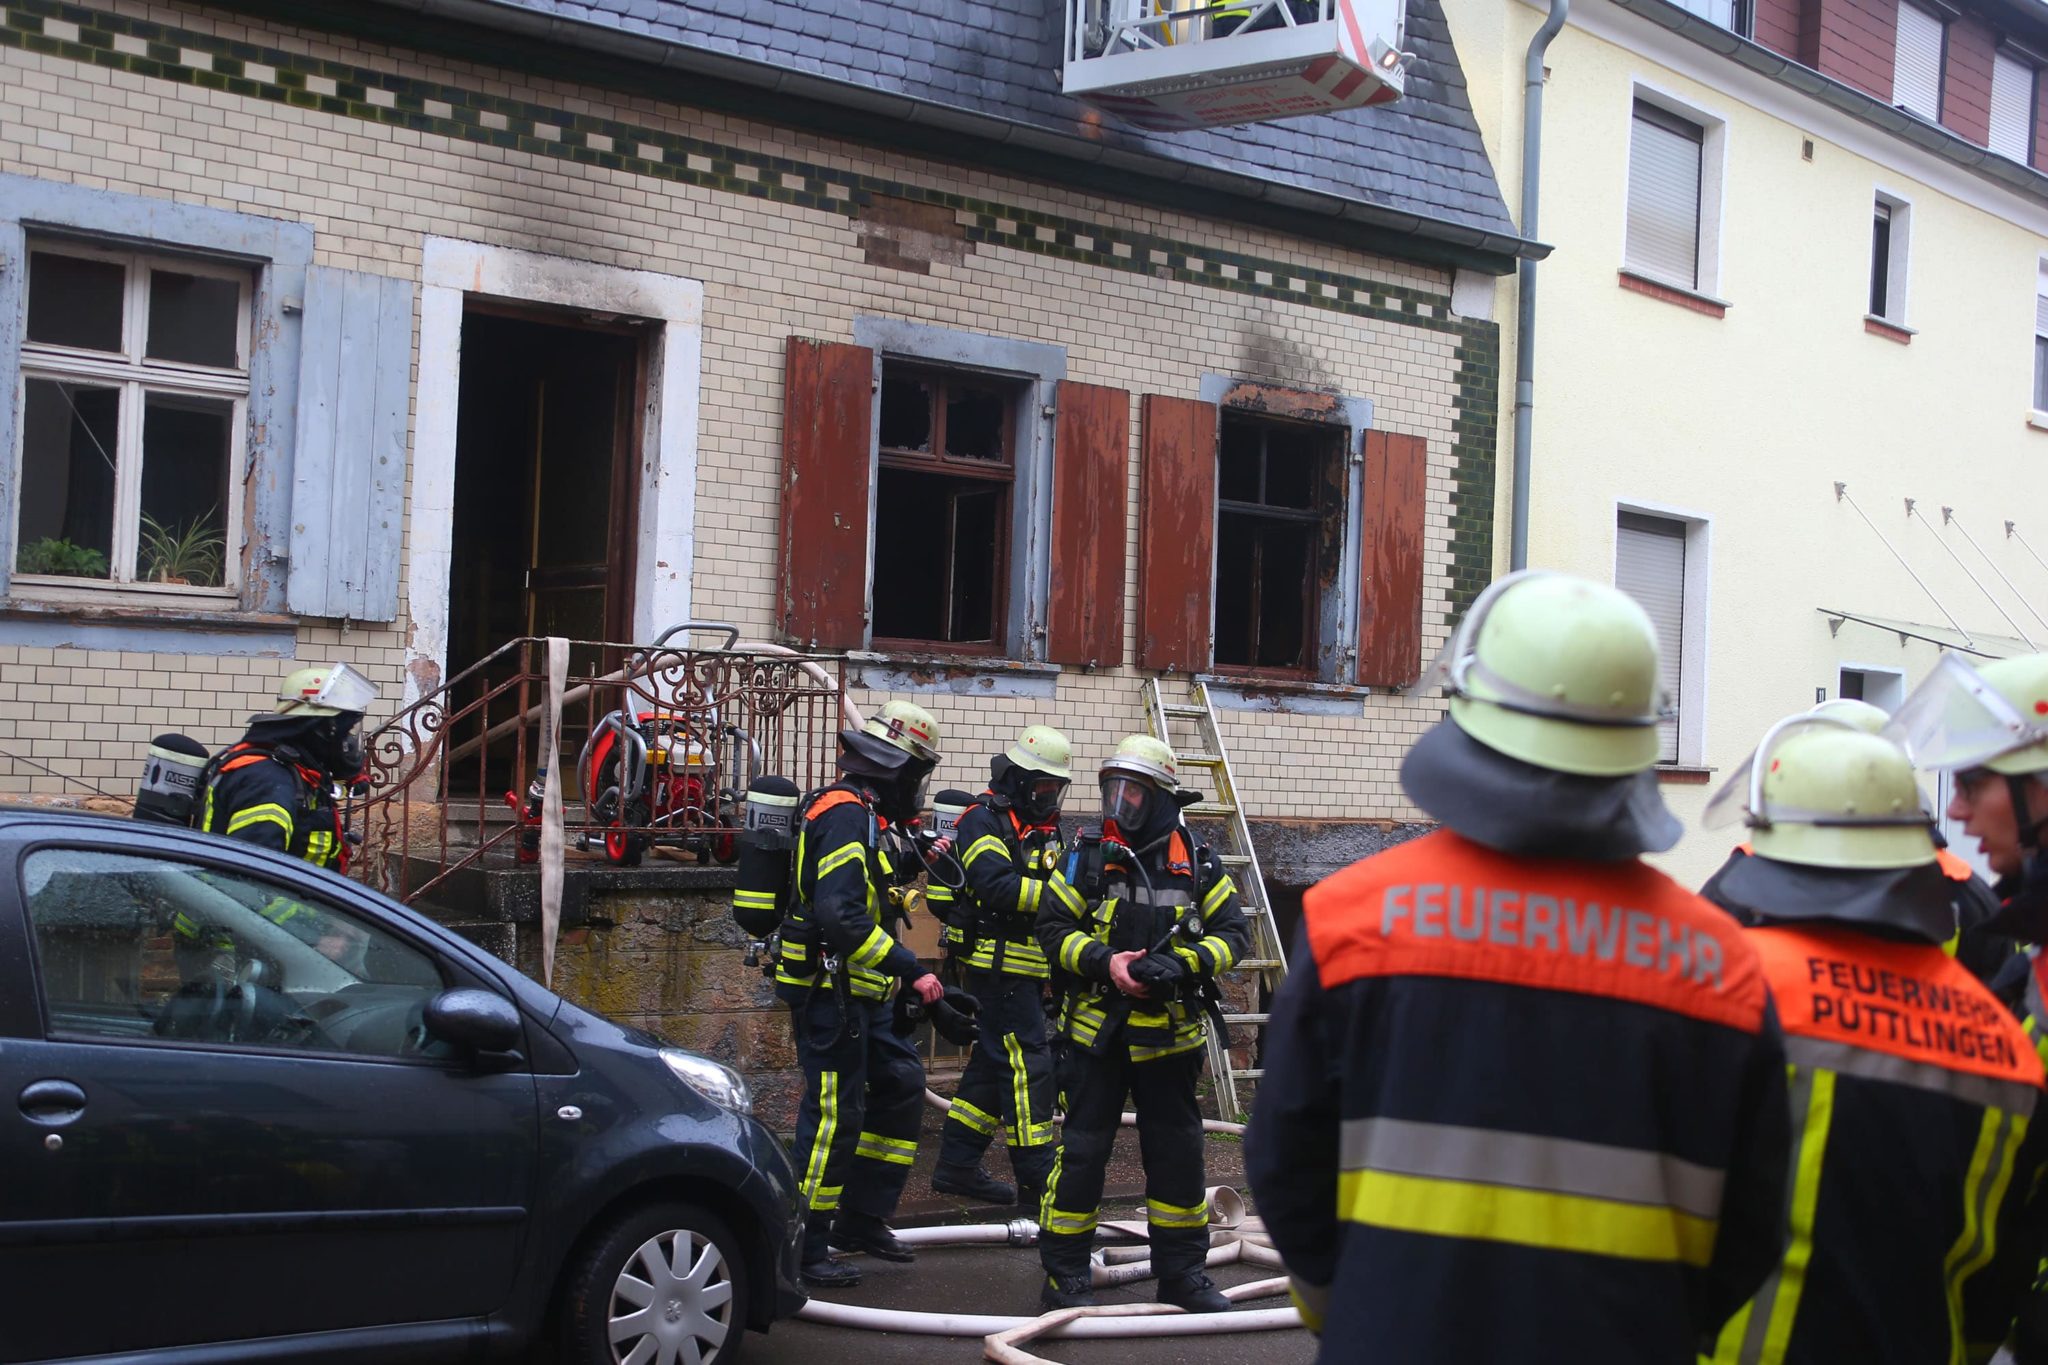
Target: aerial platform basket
1170,65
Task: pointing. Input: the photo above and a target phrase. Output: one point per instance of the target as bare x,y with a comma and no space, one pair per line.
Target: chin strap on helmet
2025,822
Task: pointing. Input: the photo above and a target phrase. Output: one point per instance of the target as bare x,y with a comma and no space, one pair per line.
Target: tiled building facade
448,189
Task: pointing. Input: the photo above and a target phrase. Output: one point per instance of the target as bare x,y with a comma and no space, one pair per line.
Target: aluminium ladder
1266,964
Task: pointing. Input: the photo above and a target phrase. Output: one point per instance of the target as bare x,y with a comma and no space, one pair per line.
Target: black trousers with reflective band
1169,1142
1008,1082
856,1128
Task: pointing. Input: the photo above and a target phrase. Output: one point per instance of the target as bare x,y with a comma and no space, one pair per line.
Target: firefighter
1525,1096
838,968
1913,1222
1162,920
1995,958
277,786
1009,846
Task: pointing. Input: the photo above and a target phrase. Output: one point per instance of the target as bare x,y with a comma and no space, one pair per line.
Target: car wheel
665,1285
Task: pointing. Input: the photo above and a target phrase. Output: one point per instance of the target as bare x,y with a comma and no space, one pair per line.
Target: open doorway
545,494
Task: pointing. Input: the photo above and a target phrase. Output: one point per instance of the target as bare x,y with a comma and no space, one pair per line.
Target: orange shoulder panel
828,801
1442,905
1953,867
1910,1000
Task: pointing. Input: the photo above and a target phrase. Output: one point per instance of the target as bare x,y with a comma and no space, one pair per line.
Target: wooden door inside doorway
548,432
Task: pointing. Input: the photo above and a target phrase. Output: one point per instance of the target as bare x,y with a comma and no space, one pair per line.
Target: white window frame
137,377
1713,183
1895,685
1940,20
1694,635
2038,400
2008,59
1899,258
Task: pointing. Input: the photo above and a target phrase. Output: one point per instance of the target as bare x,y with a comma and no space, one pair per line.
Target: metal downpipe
1525,293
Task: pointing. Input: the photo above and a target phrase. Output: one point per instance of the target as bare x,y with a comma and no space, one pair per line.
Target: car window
150,949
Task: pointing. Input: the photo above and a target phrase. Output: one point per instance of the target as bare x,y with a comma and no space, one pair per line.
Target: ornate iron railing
656,746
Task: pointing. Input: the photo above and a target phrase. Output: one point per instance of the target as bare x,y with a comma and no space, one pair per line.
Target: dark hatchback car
250,1110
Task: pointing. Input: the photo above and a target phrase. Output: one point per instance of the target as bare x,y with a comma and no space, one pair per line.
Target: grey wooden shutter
2012,107
1916,67
1649,565
1664,197
348,476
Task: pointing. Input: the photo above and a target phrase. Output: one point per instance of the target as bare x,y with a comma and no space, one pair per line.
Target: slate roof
1421,155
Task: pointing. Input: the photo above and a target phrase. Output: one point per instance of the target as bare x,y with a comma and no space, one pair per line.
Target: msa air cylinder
169,793
767,851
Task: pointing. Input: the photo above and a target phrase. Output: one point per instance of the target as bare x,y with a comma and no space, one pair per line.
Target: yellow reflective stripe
1164,1215
1020,1087
821,1141
795,952
1187,956
972,1116
280,911
1187,1041
1761,1331
269,812
987,843
1071,948
827,1198
753,900
873,949
1219,951
1072,1224
1532,1218
838,858
1222,891
875,1147
1311,1301
1028,892
1063,892
1998,1140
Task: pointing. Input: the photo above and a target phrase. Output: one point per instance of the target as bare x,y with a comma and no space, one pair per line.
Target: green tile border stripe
145,48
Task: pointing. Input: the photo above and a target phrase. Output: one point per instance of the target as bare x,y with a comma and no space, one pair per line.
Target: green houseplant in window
54,555
189,555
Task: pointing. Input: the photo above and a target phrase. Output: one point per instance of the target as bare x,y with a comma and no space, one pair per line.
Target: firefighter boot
1194,1292
865,1232
1066,1291
819,1270
972,1182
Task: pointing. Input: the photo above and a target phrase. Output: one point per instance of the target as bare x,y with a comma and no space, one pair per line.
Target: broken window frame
937,463
1325,523
137,378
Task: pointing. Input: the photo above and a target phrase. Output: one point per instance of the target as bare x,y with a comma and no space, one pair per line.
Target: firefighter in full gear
278,785
1162,921
1994,958
1525,1095
1914,1219
1009,846
838,968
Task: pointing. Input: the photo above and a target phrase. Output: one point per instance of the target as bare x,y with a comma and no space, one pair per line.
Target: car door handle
53,1103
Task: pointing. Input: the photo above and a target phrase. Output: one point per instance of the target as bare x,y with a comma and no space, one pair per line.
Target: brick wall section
1966,80
1777,26
1857,43
1142,299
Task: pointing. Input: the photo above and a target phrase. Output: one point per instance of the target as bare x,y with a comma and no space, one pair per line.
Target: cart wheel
623,844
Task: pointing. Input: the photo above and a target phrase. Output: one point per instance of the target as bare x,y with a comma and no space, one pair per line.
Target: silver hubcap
672,1303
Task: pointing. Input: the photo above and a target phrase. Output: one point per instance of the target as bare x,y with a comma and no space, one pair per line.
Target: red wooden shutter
827,434
1090,473
1176,532
1390,559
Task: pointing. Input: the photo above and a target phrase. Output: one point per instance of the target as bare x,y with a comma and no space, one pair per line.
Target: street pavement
1003,1279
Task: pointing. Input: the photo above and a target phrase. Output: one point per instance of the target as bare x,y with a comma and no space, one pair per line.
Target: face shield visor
345,690
1127,801
1741,800
1956,720
1041,796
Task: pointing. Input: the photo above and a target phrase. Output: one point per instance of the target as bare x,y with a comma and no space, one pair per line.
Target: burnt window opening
1279,529
942,508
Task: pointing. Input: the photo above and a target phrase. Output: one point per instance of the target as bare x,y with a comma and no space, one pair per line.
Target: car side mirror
479,1020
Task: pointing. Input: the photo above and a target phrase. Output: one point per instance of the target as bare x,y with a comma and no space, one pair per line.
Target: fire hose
1235,1238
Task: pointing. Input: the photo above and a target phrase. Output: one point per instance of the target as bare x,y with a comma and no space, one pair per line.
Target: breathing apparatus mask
1129,803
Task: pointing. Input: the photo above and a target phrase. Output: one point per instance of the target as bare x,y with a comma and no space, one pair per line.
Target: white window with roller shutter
1665,164
1916,62
1661,561
2041,337
2012,106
